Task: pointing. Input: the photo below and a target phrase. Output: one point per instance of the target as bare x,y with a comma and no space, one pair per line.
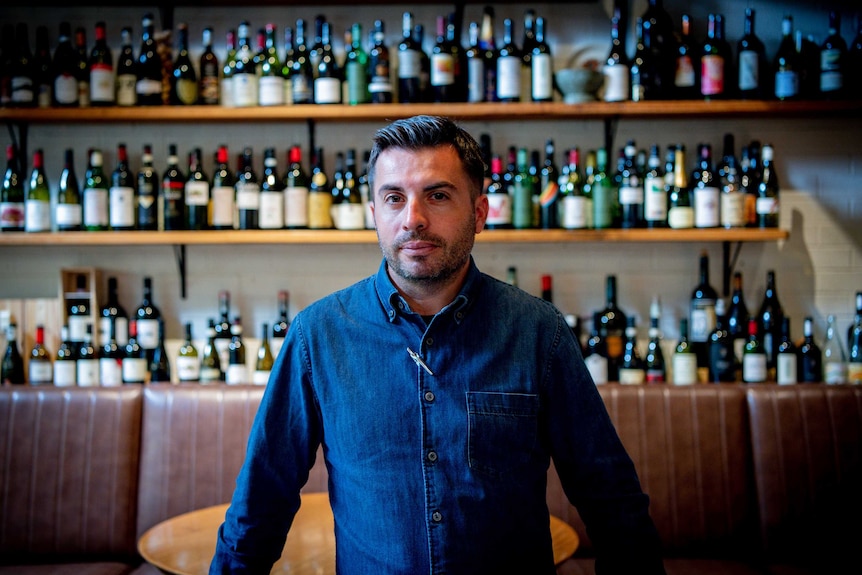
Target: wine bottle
296,191
88,361
616,69
854,345
134,367
810,355
522,194
705,190
78,312
209,89
737,318
459,55
655,195
226,84
65,70
587,182
247,193
499,201
640,70
549,190
271,193
196,194
263,365
786,65
508,66
111,361
281,325
121,194
22,72
349,213
542,69
656,370
575,206
210,368
834,358
113,318
126,76
148,318
753,357
605,195
12,198
149,84
596,353
317,45
65,362
302,75
37,208
613,322
244,77
786,356
319,195
686,64
379,69
722,361
443,85
237,371
173,208
751,65
43,78
714,60
527,45
475,66
680,212
631,189
356,68
188,363
147,192
40,371
702,316
223,190
732,202
184,79
271,80
684,358
223,328
771,314
661,49
12,371
327,82
767,205
83,74
160,366
95,203
833,57
102,81
488,46
409,63
631,367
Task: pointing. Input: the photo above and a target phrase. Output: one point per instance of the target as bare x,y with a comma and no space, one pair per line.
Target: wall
819,269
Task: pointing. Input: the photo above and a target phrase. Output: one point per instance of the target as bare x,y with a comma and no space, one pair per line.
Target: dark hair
430,132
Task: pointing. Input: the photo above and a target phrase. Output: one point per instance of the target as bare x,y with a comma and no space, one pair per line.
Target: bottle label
632,376
786,368
271,210
226,93
706,207
37,216
223,208
302,89
684,369
711,75
237,374
766,206
188,368
854,372
260,377
655,200
210,375
631,195
476,80
680,217
102,83
244,90
543,88
78,327
148,87
616,87
748,70
442,69
786,84
122,207
68,215
197,193
831,78
209,86
247,196
88,372
148,333
96,207
574,212
66,89
319,210
754,367
110,371
357,83
508,78
409,63
65,373
499,209
702,319
834,372
327,91
271,91
276,343
134,370
12,215
597,365
22,90
126,90
732,209
40,372
348,216
296,206
684,76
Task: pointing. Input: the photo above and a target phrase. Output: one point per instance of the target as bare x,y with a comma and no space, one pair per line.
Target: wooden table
185,544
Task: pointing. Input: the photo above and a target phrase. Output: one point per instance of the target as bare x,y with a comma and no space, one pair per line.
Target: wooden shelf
247,237
462,111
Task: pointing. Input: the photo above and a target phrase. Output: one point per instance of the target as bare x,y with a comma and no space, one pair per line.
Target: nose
415,217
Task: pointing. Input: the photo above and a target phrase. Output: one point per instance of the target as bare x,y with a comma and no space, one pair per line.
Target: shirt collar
394,304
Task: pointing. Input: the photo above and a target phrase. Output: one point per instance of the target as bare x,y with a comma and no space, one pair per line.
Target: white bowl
578,84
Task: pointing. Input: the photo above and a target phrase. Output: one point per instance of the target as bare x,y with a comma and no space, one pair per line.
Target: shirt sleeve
281,450
595,470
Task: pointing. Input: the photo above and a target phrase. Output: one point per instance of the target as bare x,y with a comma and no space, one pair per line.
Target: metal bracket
180,255
728,264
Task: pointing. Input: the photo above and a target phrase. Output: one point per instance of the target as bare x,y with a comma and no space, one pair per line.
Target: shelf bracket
312,139
611,123
728,264
180,254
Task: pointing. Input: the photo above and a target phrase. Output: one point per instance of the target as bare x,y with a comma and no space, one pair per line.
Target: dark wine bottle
113,318
65,69
149,84
702,316
148,319
184,80
135,367
753,81
173,207
197,194
222,328
95,200
786,65
121,194
613,325
209,66
13,364
786,360
810,356
722,362
146,197
223,191
126,74
631,370
211,371
770,316
656,369
160,366
833,58
102,82
68,214
282,324
247,193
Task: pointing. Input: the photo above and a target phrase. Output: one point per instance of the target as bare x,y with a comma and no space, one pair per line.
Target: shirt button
432,456
401,305
429,342
429,396
436,517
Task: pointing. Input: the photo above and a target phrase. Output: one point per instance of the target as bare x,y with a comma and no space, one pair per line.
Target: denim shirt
442,472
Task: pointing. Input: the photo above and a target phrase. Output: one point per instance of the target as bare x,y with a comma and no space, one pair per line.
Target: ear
481,209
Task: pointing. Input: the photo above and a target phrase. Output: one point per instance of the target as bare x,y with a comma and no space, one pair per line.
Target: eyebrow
428,188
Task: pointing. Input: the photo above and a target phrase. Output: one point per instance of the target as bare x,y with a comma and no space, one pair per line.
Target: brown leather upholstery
807,447
68,474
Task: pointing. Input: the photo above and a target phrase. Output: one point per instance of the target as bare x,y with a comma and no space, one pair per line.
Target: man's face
426,221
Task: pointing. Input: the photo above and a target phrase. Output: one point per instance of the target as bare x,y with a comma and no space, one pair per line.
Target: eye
439,196
392,199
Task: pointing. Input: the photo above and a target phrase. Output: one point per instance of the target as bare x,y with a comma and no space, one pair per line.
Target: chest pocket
503,430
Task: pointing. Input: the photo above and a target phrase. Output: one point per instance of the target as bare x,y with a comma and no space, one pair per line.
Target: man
439,395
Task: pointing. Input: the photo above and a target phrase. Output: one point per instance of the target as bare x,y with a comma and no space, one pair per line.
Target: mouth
417,248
